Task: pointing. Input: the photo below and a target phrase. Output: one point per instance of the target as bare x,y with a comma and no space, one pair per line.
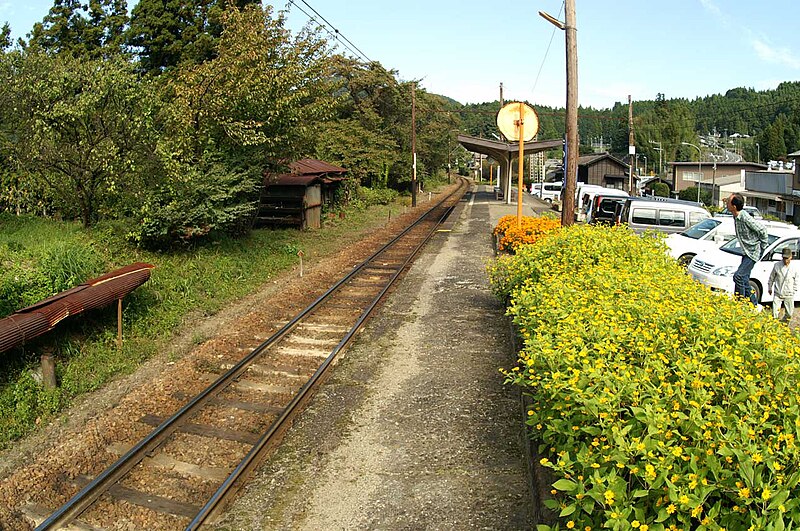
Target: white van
547,191
661,214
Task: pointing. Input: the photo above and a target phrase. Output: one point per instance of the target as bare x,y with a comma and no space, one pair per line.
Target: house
773,193
297,198
724,178
603,169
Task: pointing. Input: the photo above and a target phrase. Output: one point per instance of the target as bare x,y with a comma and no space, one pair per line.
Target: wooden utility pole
631,146
571,171
414,144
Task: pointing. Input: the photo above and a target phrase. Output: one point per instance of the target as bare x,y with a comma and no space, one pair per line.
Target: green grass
42,257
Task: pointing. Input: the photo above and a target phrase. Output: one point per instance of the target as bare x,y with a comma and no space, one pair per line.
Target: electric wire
536,82
330,30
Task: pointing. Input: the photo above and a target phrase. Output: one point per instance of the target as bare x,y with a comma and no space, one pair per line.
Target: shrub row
657,404
510,234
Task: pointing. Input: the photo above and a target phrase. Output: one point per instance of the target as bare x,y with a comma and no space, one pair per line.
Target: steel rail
84,498
251,459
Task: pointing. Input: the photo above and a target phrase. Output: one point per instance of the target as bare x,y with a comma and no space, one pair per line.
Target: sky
465,49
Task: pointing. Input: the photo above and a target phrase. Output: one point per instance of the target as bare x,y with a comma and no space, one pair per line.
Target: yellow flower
570,524
644,527
744,493
766,494
671,508
635,524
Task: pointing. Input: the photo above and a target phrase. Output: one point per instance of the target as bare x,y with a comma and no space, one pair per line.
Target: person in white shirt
785,278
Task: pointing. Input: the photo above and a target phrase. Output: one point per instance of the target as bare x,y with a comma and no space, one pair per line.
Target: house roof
795,154
587,160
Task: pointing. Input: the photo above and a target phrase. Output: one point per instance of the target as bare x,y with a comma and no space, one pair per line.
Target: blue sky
464,49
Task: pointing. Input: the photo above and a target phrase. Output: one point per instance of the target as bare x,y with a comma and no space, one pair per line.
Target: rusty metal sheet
41,317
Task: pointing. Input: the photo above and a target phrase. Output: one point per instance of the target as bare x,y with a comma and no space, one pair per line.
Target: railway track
190,464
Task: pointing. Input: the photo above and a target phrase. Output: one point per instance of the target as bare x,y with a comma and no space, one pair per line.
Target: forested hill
771,118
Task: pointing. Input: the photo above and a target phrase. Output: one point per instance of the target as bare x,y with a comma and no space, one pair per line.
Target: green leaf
565,485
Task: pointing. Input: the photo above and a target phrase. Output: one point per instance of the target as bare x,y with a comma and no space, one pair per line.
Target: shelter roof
315,167
306,172
502,151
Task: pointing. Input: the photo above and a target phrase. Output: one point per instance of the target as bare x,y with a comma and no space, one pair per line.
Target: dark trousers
741,279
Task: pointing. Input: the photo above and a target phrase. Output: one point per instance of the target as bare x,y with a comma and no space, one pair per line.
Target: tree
90,30
5,37
249,111
77,128
169,32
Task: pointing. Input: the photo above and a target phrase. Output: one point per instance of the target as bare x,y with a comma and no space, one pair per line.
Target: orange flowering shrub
510,236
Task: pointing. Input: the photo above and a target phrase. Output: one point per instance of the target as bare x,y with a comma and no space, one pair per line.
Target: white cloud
781,56
715,10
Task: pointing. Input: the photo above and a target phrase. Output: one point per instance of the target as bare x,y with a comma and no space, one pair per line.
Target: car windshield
698,230
733,246
753,211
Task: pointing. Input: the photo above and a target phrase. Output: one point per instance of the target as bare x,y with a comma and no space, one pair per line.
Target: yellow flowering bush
530,230
658,404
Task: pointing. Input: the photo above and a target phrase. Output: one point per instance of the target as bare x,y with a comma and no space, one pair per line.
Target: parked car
660,214
547,191
708,234
715,267
591,195
753,211
604,209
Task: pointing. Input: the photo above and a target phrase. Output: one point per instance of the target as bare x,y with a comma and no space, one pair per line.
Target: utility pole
501,96
568,202
414,144
571,147
631,146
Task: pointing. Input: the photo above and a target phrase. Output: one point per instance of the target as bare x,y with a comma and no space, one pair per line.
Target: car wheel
685,259
549,200
755,289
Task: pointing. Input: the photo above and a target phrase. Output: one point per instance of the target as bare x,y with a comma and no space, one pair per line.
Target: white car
753,211
708,234
715,267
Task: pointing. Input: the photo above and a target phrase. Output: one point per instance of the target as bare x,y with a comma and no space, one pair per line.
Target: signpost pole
521,161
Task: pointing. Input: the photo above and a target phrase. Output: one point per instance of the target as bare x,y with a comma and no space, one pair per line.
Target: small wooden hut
296,198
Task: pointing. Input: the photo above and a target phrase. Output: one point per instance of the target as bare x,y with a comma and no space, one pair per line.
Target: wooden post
119,324
48,371
570,177
300,255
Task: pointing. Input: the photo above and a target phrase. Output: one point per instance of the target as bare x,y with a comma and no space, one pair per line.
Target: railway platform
414,429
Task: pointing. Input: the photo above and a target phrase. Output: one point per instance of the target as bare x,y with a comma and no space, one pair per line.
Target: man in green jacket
753,239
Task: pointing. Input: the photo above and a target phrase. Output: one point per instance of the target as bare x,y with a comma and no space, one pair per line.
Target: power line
536,82
333,31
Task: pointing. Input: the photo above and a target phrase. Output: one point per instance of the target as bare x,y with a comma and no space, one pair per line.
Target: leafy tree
227,121
76,130
5,37
660,189
169,32
82,30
